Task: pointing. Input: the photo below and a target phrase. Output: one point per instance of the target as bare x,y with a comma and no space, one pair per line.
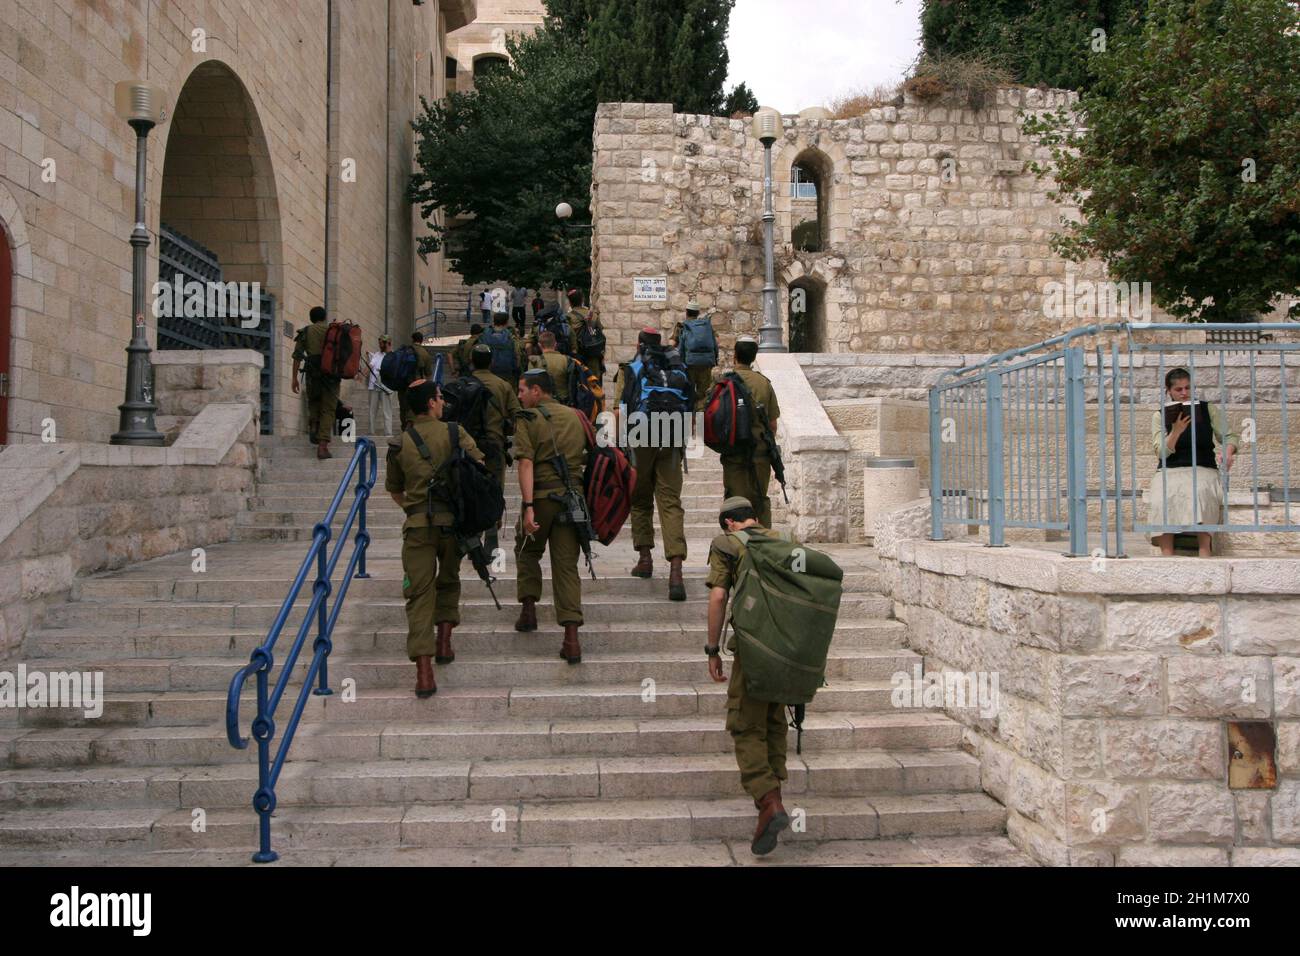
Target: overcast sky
800,53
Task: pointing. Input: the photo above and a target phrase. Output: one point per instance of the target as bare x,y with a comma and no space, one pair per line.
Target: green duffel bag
783,609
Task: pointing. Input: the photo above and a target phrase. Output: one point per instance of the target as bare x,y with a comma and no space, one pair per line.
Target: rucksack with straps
698,343
728,416
397,370
591,341
341,354
609,483
586,396
553,321
464,485
784,606
505,358
656,381
467,400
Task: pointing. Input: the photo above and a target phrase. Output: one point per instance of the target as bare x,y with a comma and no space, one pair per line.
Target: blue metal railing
364,464
1028,437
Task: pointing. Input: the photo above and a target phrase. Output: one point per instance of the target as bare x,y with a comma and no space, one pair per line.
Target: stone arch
821,328
16,271
830,165
486,63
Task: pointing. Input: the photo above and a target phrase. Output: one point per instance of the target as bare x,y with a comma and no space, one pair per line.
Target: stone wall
70,508
1122,689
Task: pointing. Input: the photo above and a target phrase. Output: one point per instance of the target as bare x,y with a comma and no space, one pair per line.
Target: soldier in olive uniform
758,728
701,375
546,429
463,355
553,362
430,554
744,475
423,370
498,421
322,390
501,323
658,480
579,316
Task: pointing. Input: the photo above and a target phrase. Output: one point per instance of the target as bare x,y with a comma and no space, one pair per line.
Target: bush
858,102
976,78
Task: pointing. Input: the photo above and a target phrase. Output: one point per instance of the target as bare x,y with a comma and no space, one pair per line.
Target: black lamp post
141,106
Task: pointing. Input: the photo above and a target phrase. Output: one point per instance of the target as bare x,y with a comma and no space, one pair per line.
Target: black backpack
553,321
464,485
467,401
591,341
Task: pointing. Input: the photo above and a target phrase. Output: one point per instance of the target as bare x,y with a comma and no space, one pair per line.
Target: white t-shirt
373,381
487,299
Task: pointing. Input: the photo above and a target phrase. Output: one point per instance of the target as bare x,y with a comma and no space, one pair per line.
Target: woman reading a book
1186,451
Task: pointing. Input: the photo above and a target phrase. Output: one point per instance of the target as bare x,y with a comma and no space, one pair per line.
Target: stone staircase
621,759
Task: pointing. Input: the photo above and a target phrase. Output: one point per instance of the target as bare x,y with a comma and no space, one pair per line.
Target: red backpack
609,483
727,422
340,356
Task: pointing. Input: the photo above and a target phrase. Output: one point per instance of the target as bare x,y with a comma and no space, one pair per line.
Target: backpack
341,354
464,485
608,485
397,369
553,321
591,341
656,381
698,343
728,422
586,396
467,401
505,358
784,606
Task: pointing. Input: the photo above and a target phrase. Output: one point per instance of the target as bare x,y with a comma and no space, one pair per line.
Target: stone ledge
206,357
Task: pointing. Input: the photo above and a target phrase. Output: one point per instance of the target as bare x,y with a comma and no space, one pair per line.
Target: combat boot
323,450
676,588
527,615
772,819
571,650
645,568
425,685
444,653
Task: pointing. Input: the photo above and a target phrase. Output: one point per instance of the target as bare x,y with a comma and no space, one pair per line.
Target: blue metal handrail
364,464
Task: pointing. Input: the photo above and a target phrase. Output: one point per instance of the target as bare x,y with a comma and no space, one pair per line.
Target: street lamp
767,127
564,212
140,105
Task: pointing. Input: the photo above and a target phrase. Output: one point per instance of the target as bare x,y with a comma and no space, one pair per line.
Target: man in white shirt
380,395
485,305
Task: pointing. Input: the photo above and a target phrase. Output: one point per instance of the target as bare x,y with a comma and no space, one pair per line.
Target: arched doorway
6,312
220,218
806,315
810,187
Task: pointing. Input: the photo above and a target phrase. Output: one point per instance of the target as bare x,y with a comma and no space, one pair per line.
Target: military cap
733,503
482,349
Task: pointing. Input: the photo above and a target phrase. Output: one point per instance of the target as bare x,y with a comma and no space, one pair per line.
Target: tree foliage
741,99
1188,173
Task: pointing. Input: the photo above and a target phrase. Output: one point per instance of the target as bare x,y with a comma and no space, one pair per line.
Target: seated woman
1170,498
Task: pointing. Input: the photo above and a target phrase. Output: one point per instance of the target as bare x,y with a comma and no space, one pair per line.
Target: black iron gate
178,255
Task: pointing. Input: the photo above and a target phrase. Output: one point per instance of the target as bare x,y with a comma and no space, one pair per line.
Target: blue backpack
505,359
397,369
698,343
656,381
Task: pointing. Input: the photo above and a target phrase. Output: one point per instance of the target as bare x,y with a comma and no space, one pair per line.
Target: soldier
701,375
507,350
584,323
465,350
322,390
747,476
430,554
498,421
757,728
547,430
658,479
554,363
423,370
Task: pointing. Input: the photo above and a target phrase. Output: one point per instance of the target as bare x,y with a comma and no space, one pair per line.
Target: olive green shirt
764,395
724,558
312,340
1219,424
465,354
409,474
502,408
558,366
539,441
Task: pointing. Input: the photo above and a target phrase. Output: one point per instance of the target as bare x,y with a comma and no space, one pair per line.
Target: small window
803,184
451,68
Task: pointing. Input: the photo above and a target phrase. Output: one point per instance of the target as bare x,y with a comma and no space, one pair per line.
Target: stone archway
824,163
805,314
16,269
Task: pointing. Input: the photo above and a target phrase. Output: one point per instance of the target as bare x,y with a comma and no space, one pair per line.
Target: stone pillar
887,483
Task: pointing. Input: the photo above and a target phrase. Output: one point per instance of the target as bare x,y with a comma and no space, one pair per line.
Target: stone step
483,825
482,639
475,607
185,728
470,669
419,750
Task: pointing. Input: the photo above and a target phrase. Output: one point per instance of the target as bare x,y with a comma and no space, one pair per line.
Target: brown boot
527,615
645,568
676,589
323,450
571,650
444,653
425,685
772,819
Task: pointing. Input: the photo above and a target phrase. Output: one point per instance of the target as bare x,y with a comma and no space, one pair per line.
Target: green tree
1188,173
741,99
503,156
1040,42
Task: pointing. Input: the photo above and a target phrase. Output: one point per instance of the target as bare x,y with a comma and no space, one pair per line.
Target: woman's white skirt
1172,489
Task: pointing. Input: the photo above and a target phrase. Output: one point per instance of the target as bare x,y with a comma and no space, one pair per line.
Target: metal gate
178,255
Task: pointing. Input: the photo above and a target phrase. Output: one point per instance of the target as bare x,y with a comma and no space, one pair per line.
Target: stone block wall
1123,687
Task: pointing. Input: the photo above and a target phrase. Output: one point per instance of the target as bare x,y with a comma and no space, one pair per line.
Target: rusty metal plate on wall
1251,744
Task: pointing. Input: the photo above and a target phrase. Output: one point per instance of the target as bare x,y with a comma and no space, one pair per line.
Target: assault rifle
574,511
472,548
773,452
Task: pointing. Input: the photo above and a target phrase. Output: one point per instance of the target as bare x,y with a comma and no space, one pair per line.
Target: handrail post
996,492
322,584
264,798
362,537
936,469
1076,478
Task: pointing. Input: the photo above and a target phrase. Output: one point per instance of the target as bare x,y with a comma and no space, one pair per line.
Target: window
451,68
486,65
803,184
